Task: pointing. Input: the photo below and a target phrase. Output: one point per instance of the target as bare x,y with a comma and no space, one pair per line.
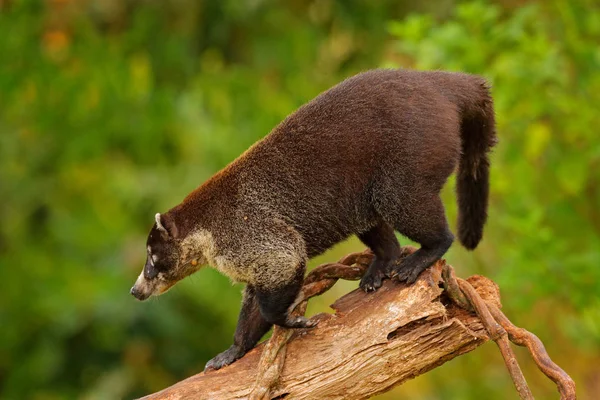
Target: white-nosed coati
367,157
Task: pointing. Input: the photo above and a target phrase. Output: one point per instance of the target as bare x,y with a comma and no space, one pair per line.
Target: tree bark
372,343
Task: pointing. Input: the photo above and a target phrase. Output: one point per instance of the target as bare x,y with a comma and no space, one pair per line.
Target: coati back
367,157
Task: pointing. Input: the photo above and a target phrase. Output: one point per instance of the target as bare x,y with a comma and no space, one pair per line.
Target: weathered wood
372,343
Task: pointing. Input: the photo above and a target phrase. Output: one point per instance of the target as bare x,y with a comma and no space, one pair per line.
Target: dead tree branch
374,341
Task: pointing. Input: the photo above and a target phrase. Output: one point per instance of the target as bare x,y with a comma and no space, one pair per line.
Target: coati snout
164,266
369,158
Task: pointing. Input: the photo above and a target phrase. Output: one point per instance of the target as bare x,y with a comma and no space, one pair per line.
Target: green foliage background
113,110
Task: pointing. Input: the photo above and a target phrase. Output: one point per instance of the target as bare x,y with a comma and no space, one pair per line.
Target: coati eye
153,258
158,264
150,272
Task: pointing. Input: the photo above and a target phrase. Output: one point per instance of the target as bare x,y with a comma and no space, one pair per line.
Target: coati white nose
137,294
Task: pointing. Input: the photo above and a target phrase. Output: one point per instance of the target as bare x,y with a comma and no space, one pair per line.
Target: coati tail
478,136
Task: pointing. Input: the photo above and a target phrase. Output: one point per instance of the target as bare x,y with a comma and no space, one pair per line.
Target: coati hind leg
250,328
426,224
274,301
382,241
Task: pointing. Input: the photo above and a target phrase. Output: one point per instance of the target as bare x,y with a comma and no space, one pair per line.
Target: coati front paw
409,270
371,280
298,322
225,358
376,273
408,275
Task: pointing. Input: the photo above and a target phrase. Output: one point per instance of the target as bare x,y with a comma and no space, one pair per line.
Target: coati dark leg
382,241
275,300
427,225
250,328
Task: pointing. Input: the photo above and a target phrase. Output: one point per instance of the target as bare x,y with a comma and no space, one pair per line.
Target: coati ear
166,225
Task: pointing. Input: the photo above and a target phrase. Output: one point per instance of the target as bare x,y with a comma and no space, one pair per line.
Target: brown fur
367,157
325,169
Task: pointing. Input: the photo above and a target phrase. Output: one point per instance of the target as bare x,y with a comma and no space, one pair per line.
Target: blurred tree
113,110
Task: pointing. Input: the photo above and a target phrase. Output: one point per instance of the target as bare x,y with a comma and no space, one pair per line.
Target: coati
367,157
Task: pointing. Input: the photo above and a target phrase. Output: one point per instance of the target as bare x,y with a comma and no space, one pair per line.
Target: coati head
165,265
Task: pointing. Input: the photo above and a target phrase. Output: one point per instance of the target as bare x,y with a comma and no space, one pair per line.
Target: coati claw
224,359
376,273
408,275
370,282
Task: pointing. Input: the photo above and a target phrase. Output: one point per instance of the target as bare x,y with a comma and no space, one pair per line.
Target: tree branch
372,343
375,341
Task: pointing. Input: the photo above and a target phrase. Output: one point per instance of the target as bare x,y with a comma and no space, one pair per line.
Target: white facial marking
159,224
140,281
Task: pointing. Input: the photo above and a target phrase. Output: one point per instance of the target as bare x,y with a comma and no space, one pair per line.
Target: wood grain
371,343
